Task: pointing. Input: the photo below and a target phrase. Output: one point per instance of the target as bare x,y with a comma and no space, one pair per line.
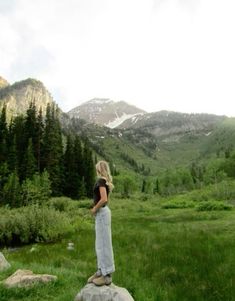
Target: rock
4,264
91,292
23,278
3,83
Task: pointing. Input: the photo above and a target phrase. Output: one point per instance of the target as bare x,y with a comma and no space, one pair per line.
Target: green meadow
161,253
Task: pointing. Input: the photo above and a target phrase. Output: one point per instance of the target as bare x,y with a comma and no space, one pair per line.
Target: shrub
37,189
32,224
59,203
177,204
213,205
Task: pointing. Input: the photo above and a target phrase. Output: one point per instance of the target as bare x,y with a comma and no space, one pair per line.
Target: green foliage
32,224
59,203
29,145
183,255
52,153
178,204
11,193
213,205
89,170
125,185
36,190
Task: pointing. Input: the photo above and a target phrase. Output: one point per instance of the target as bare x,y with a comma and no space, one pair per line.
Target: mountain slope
145,143
105,112
3,83
18,96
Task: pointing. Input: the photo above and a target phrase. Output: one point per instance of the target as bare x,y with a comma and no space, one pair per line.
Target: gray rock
25,278
91,292
4,264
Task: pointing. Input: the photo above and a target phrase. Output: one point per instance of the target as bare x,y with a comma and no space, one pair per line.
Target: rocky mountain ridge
18,96
136,138
105,112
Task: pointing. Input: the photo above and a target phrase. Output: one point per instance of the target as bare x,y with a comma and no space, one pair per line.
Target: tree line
34,150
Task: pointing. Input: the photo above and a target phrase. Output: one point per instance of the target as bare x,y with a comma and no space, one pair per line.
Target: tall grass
160,255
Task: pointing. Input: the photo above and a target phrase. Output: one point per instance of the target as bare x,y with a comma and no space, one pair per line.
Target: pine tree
18,131
30,161
12,191
89,171
80,190
3,135
39,140
52,153
12,156
143,186
69,170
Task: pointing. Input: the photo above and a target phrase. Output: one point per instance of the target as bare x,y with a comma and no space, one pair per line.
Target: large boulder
25,278
91,292
4,264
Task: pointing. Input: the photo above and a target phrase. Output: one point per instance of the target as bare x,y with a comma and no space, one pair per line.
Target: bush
59,203
32,224
177,204
37,189
213,205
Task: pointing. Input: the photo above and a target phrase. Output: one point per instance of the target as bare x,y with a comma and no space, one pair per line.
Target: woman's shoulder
101,182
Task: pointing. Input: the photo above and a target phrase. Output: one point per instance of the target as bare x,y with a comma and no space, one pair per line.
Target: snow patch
119,120
100,100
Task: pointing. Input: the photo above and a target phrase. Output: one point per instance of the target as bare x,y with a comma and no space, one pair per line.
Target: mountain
18,96
133,140
3,83
105,112
168,123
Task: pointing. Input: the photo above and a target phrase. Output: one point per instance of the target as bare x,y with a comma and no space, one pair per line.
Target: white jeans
103,241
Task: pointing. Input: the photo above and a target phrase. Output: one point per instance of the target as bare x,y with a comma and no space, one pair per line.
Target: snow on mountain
119,120
105,112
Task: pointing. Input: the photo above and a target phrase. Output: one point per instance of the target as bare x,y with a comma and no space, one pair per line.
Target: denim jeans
103,241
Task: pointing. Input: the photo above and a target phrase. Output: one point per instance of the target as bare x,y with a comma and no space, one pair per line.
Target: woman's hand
93,211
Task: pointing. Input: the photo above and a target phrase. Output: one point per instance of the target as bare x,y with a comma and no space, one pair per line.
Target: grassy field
160,255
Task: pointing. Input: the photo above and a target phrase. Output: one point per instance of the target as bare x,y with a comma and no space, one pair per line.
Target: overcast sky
156,54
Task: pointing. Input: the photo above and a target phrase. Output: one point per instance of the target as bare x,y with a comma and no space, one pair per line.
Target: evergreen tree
18,131
3,135
70,183
30,162
12,156
89,170
156,188
79,168
143,186
12,191
39,139
52,153
4,174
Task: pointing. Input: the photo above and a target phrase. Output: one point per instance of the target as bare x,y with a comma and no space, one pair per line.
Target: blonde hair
103,171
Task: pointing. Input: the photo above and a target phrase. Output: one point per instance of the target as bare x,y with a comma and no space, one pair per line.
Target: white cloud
156,54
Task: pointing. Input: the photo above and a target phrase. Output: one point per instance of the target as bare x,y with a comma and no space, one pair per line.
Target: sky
176,55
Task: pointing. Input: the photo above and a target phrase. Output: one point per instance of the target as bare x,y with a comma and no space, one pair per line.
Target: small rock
4,264
70,246
24,278
91,292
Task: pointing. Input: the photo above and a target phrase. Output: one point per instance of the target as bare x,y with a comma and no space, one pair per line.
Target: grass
160,255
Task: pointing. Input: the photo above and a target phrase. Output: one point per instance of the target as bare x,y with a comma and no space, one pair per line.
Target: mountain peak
3,82
104,111
99,101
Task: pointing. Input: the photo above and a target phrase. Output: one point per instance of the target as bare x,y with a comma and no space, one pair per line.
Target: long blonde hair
103,171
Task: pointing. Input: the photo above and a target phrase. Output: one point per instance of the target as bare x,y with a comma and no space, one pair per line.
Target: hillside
18,96
144,144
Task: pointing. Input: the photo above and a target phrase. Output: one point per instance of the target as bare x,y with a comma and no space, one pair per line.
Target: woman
102,213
